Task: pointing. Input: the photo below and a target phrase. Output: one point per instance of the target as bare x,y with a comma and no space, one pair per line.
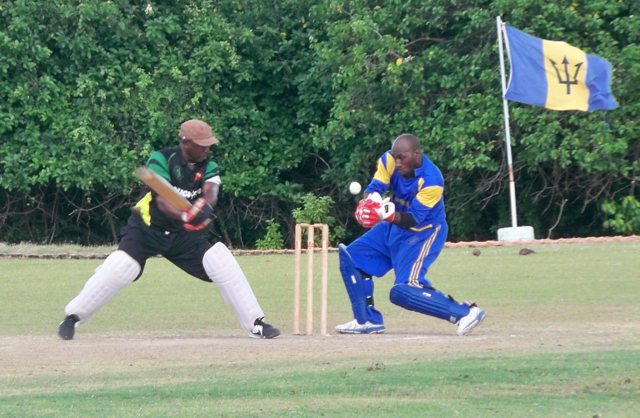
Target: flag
556,75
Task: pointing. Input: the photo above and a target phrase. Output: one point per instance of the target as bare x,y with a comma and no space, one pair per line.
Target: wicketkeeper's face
407,160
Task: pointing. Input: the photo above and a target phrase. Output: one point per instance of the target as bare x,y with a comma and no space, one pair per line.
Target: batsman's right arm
167,208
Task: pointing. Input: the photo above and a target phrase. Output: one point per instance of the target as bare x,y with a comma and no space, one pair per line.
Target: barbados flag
556,75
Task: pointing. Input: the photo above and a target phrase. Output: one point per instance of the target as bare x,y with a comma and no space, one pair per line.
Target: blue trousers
408,253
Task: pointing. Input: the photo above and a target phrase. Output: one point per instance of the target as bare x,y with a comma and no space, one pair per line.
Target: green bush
273,238
304,96
625,217
317,209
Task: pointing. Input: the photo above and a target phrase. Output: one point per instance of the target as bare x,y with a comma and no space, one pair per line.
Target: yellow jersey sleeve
386,167
430,195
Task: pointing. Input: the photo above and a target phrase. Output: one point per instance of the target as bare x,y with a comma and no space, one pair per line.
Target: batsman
406,233
157,227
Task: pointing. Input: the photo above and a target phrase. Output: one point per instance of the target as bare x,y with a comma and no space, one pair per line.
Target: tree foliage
304,96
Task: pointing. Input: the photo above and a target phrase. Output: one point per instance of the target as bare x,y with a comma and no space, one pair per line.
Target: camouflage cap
198,131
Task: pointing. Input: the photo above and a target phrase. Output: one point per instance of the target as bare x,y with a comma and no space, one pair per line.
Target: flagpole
505,105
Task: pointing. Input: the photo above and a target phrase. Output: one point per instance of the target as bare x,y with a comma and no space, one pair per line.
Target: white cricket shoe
353,327
467,323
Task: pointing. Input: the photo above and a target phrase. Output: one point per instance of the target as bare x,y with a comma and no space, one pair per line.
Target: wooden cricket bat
163,188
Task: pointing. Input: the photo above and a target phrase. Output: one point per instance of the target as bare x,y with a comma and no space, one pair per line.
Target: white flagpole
505,105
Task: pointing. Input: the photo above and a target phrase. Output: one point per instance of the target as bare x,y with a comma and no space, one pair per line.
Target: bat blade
163,188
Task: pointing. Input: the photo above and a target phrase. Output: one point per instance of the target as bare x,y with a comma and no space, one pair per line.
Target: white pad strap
223,269
117,271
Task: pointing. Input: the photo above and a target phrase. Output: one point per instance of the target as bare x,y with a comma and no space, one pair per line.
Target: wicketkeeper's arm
404,220
371,211
387,212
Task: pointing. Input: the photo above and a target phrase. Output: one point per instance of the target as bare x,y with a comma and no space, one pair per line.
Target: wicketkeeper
156,227
407,233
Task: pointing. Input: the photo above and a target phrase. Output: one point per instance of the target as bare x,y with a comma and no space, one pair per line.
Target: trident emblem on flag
567,80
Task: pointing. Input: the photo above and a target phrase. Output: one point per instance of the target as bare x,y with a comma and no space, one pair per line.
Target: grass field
562,338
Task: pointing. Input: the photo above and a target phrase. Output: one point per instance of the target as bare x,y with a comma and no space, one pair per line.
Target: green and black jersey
187,180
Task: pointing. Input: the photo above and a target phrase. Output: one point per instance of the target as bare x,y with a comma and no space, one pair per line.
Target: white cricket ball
355,188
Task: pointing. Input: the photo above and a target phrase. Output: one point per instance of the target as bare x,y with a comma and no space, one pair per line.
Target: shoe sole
264,337
473,324
378,331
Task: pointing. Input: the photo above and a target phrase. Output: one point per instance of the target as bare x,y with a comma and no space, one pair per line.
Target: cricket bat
163,188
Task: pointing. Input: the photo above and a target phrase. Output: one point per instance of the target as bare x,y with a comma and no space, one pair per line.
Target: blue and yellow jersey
421,195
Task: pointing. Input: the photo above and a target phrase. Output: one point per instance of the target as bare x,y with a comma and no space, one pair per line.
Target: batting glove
199,213
198,227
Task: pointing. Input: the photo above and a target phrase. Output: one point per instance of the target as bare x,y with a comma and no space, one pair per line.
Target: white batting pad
223,269
117,271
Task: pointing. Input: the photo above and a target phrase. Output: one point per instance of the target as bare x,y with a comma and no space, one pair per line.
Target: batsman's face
193,152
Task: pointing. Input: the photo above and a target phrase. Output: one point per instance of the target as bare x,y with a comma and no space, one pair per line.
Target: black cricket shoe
263,330
67,327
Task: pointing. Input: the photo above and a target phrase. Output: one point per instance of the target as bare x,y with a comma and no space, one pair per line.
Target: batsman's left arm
210,192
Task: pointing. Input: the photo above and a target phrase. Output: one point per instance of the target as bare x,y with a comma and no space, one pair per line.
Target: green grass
576,384
562,338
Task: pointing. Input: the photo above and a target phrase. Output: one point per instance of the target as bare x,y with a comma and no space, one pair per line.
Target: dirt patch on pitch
89,353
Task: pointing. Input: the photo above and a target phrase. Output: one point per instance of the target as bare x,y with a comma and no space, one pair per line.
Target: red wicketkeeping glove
359,213
374,209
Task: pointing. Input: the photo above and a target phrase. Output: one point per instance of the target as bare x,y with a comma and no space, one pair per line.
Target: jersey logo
198,176
189,195
177,172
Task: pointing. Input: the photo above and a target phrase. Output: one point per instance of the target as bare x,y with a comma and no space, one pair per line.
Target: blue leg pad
373,315
353,283
427,301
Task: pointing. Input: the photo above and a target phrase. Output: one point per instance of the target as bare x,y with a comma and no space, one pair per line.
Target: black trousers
185,248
